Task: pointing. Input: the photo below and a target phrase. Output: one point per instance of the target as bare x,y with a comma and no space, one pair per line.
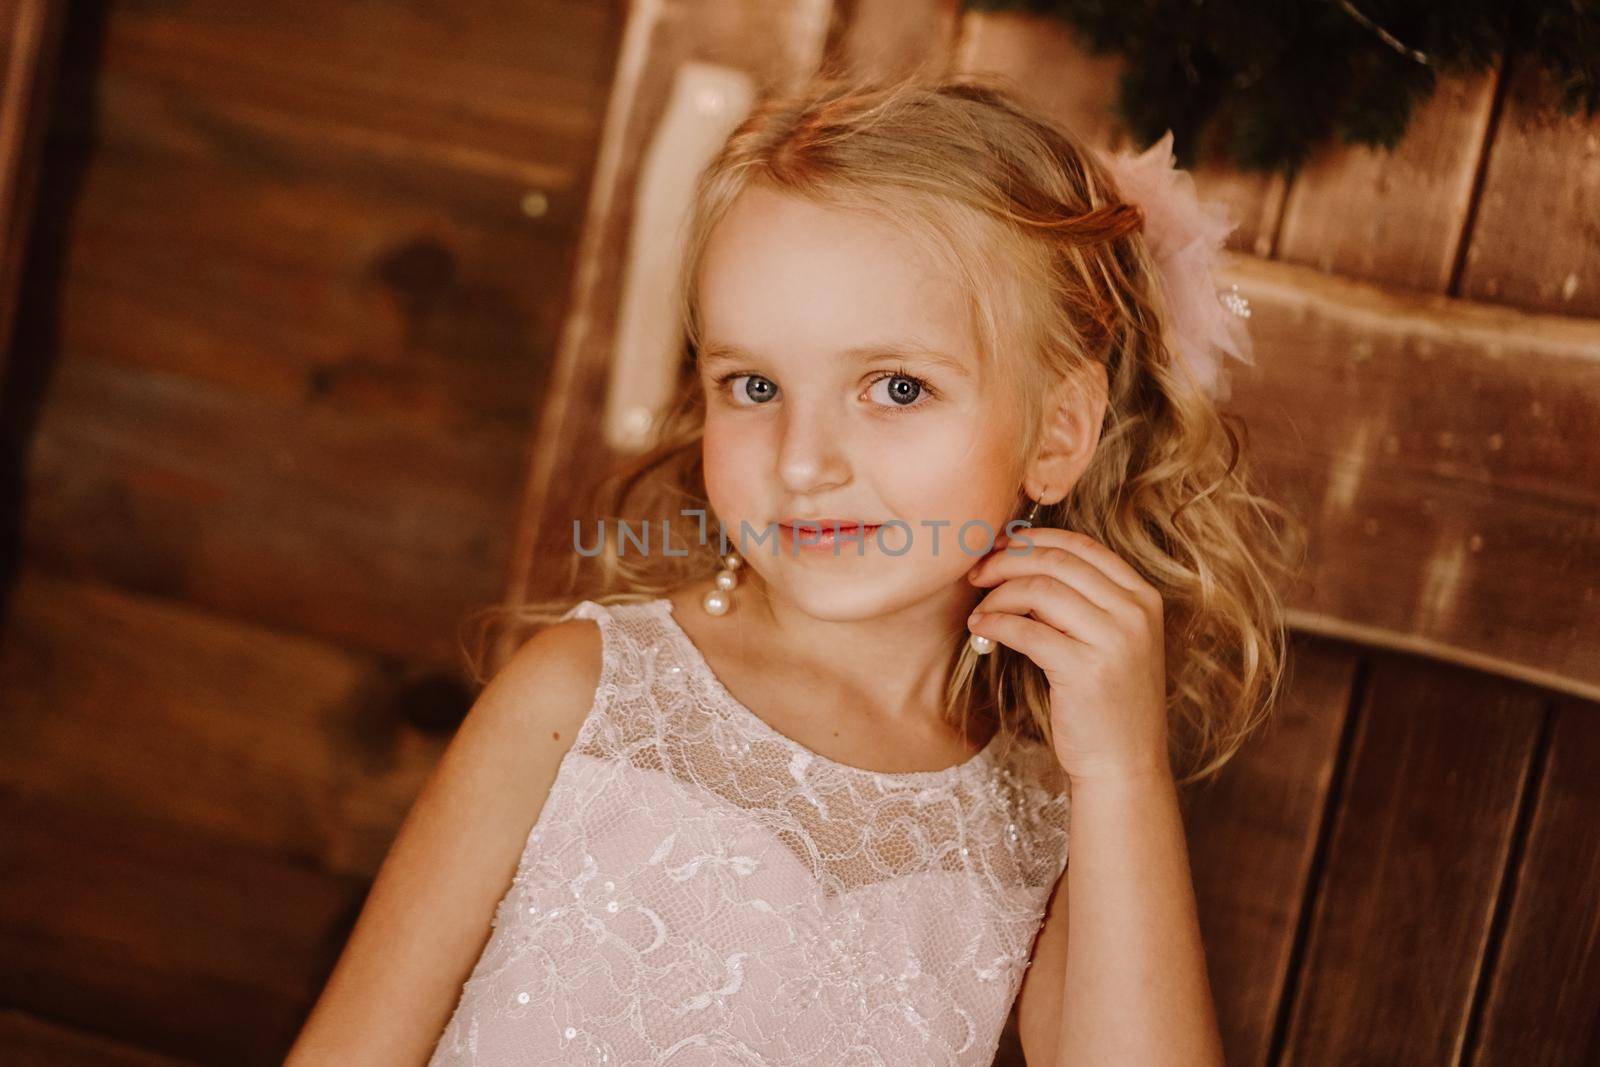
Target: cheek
957,474
734,464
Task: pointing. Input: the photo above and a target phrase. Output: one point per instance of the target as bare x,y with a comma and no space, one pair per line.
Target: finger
1046,646
1112,565
1054,603
1059,563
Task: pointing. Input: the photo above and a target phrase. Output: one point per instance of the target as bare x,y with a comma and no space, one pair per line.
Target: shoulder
505,756
509,748
550,681
527,716
567,652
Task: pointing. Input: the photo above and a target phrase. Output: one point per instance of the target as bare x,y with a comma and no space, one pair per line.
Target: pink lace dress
701,889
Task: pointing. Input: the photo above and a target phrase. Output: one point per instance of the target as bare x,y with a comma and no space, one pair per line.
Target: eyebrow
714,355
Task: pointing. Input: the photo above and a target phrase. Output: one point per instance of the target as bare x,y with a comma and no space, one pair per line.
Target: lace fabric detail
701,889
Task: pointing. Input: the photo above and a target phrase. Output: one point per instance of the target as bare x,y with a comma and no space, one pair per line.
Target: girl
782,796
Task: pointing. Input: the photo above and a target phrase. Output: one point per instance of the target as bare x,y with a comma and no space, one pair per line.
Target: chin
849,597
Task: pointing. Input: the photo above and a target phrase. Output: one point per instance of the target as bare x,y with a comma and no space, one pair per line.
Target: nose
811,454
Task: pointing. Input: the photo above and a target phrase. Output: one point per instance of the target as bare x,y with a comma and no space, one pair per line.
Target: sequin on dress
700,889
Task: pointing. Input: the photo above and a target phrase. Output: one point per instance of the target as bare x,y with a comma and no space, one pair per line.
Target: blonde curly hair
1058,276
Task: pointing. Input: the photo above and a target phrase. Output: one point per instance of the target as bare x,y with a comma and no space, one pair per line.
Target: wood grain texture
378,533
159,710
297,273
1253,835
314,278
1443,454
1419,849
187,944
1542,1003
508,87
34,1042
1536,240
1394,217
322,273
293,216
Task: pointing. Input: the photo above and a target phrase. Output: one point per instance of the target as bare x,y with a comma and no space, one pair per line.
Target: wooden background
310,311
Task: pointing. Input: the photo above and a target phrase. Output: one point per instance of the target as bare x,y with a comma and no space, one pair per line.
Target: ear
1074,412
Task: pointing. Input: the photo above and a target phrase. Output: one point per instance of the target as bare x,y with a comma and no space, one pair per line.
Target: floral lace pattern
700,889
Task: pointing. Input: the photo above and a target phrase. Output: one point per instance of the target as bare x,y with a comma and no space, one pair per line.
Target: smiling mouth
824,533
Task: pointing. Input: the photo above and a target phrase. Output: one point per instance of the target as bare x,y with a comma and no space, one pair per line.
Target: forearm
1136,986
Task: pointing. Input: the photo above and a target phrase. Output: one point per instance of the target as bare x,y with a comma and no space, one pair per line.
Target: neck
900,655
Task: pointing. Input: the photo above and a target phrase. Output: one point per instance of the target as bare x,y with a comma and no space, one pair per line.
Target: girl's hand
1096,632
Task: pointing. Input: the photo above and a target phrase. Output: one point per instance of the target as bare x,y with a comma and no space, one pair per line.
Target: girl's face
843,381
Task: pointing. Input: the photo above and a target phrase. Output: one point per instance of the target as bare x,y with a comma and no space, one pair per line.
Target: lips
824,533
829,524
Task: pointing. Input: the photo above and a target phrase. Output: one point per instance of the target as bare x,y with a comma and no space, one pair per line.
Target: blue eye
755,393
904,390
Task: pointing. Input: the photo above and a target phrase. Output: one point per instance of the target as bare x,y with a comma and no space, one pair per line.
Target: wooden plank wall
287,300
293,265
296,276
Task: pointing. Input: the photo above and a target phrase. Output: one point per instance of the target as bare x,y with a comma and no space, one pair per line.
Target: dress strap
585,609
611,658
630,635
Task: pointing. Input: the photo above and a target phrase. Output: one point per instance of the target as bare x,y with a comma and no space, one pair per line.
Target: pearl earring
720,599
984,645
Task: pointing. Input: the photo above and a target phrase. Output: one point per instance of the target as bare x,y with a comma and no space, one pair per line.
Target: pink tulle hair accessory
1185,236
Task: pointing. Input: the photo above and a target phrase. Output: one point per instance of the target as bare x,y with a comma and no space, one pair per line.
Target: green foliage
1264,83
